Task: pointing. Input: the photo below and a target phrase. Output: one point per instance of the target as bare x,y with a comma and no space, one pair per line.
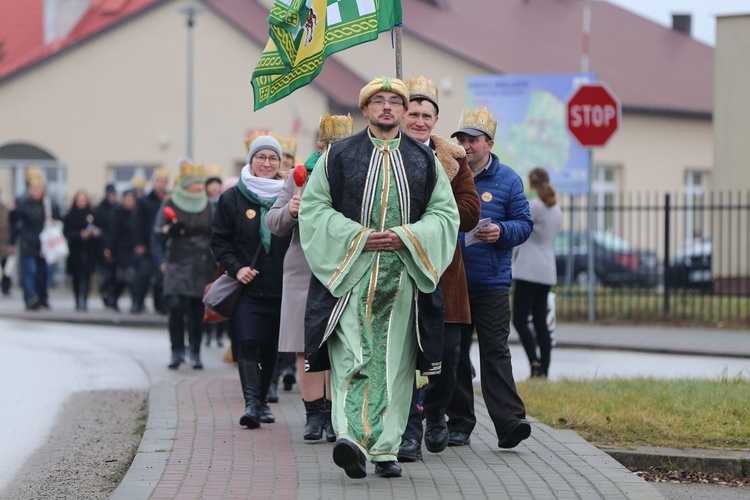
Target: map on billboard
531,124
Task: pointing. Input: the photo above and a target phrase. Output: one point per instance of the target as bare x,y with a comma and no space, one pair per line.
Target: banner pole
399,62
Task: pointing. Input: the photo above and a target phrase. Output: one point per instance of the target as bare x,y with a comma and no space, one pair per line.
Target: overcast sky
704,13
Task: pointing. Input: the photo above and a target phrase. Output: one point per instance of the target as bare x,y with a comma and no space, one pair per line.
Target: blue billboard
532,124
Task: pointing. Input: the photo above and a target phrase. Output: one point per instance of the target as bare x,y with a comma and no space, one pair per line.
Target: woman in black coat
246,249
82,233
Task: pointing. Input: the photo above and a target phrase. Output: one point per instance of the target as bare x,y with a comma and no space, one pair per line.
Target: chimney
682,23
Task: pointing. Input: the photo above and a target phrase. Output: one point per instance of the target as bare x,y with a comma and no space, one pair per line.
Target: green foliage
685,413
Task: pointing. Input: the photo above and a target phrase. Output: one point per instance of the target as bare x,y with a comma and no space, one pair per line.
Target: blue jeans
34,272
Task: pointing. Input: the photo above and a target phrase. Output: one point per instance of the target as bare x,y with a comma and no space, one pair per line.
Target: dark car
616,262
691,266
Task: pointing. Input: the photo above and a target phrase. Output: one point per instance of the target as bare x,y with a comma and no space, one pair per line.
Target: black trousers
81,288
185,312
5,279
437,393
490,313
531,298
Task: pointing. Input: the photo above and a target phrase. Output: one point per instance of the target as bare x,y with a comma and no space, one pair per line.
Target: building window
605,192
696,187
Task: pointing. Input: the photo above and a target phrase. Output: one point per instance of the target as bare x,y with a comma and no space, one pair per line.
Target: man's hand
489,234
294,205
140,250
246,274
386,241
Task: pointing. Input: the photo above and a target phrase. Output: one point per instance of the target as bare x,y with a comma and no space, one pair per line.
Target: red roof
101,14
651,68
21,29
648,66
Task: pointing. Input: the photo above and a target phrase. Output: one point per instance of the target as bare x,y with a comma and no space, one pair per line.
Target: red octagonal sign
593,114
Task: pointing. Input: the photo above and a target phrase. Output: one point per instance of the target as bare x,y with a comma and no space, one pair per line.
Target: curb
728,463
153,453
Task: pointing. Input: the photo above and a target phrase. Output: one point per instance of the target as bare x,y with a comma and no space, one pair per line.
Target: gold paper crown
479,119
422,87
213,172
34,176
336,127
251,135
188,170
288,144
161,173
138,181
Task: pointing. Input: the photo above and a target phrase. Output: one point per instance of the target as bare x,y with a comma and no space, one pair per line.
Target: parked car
691,266
616,262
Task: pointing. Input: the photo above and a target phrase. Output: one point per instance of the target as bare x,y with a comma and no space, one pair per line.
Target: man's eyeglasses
393,101
273,160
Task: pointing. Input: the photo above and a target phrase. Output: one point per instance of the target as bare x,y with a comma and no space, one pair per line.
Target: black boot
178,358
250,380
273,391
266,415
195,358
316,419
330,433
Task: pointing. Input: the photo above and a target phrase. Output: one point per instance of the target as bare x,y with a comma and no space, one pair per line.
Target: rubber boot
330,433
316,419
250,380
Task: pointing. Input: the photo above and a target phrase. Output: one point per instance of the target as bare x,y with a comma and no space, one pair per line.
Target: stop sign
593,114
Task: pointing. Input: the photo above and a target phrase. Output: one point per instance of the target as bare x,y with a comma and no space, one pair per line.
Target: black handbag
223,295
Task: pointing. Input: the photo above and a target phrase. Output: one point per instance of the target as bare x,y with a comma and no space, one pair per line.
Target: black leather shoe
288,379
388,469
436,436
266,415
409,451
347,456
514,431
458,438
251,417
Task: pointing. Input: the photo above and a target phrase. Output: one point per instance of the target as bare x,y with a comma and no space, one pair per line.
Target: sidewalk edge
153,453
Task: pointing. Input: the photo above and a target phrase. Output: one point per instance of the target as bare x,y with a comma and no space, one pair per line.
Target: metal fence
677,258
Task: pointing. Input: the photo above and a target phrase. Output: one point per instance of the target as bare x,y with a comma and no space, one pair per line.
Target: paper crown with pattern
251,135
480,120
424,88
288,144
335,127
189,170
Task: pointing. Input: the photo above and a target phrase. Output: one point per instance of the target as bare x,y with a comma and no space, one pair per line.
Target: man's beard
386,126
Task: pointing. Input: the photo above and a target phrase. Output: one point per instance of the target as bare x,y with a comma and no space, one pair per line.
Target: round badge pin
486,196
250,214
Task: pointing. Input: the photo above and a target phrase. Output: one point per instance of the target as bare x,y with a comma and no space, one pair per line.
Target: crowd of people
365,275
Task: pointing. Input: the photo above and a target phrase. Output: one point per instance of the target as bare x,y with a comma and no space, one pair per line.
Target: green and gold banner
304,32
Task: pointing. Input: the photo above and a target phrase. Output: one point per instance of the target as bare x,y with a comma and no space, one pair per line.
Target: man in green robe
378,225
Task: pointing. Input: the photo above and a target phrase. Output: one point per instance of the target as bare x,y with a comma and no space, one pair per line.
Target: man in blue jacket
488,275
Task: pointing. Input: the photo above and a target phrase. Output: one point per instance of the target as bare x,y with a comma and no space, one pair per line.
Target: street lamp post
190,12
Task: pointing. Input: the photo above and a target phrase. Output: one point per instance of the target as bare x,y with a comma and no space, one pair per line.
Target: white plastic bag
54,245
9,269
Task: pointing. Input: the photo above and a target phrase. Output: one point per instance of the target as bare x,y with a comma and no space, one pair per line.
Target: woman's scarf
262,192
189,202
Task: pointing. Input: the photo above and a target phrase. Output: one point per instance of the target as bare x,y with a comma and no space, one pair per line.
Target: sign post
594,114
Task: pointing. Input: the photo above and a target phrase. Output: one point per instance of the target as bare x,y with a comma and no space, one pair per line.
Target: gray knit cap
263,142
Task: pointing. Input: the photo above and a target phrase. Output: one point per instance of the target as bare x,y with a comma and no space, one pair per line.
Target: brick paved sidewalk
194,448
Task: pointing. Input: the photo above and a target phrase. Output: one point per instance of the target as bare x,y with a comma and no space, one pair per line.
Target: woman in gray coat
185,232
535,272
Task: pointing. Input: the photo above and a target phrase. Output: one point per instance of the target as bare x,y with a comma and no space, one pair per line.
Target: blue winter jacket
501,191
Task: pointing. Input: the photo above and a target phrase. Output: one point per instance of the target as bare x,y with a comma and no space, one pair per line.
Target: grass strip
683,413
